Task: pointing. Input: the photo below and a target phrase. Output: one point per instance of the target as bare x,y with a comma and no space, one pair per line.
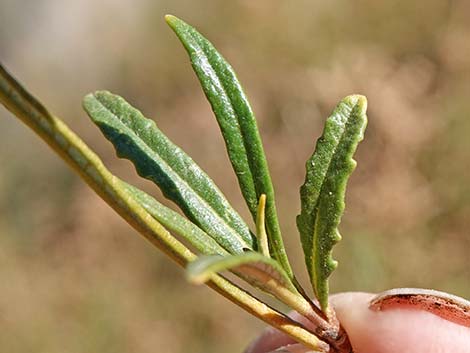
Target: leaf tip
87,99
90,101
103,94
262,203
173,21
170,18
96,95
357,100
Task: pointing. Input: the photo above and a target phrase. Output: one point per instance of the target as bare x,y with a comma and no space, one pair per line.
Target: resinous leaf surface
158,159
322,195
239,129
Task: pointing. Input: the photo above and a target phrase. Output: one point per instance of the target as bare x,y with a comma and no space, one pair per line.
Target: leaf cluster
224,241
209,225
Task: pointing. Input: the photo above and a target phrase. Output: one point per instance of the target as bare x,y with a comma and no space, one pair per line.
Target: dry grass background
76,278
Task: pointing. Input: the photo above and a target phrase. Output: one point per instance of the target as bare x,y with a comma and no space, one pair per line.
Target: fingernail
447,306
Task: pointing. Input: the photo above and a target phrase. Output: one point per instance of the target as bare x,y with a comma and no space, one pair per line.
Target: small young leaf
176,223
252,266
322,195
158,159
263,244
239,129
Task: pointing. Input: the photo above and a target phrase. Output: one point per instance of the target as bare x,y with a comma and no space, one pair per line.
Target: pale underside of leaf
180,179
322,195
176,223
255,268
239,128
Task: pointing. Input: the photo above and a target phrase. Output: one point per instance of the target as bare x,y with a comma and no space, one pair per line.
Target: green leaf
175,222
158,159
238,125
254,267
322,195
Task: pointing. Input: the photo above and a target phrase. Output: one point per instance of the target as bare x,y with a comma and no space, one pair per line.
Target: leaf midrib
232,107
178,175
316,208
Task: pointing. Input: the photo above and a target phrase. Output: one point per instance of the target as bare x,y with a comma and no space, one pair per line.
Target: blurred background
74,277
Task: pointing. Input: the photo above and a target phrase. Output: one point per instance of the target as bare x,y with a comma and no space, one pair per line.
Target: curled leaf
255,268
322,195
158,159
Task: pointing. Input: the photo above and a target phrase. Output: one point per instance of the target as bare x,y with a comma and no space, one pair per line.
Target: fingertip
389,331
397,330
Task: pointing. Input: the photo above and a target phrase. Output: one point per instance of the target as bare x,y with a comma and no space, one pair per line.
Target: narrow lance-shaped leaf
176,223
254,267
158,159
238,125
322,195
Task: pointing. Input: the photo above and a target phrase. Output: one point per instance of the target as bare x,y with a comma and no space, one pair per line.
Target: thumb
399,329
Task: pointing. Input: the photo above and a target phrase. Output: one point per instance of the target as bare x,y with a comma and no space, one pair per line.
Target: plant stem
293,299
267,314
92,170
